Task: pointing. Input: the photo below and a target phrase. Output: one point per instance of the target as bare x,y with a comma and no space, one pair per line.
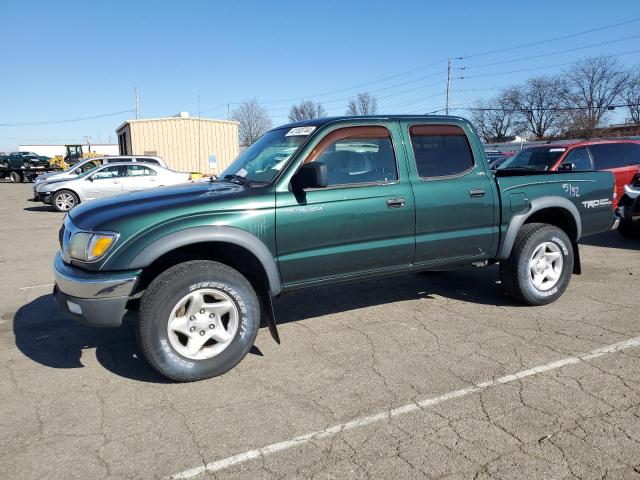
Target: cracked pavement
77,402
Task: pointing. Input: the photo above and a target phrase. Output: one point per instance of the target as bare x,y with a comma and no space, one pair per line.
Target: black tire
55,197
515,273
164,294
629,229
15,177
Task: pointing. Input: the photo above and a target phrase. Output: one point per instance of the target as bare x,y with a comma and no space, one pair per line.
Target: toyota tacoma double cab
312,203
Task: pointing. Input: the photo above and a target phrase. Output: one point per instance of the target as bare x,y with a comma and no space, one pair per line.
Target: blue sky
62,60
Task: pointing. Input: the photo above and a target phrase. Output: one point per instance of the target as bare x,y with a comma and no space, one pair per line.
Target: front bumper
93,298
629,204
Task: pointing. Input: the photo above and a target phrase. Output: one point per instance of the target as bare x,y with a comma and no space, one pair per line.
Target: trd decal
603,202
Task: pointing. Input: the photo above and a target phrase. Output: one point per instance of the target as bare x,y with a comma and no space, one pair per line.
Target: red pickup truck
621,157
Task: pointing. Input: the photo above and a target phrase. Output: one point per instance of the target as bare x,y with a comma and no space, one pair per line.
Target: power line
442,61
68,120
555,39
493,74
337,100
557,52
380,80
552,109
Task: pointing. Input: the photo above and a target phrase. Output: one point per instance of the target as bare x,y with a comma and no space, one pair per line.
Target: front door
105,182
362,222
456,208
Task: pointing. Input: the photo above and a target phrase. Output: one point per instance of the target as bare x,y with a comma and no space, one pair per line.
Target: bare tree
495,119
631,96
363,104
593,85
537,104
253,119
306,110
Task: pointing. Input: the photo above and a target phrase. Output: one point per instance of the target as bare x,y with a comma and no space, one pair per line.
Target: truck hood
108,213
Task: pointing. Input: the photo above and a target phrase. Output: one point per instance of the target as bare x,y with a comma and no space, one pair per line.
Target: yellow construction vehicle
73,154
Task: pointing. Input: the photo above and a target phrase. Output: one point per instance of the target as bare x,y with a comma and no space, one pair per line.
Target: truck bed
590,193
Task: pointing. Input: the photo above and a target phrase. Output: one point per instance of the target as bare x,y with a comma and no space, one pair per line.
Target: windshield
262,161
84,167
535,158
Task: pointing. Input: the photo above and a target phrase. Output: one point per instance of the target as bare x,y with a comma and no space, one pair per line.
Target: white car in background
105,181
89,163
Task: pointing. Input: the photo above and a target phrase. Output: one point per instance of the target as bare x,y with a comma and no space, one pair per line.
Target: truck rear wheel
197,320
15,177
540,265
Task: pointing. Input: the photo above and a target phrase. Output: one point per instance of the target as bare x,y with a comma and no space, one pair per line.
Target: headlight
88,247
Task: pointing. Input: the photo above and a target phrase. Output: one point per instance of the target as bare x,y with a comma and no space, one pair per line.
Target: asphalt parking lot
419,376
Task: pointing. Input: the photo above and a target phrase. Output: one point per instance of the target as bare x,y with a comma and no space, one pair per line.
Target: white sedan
105,181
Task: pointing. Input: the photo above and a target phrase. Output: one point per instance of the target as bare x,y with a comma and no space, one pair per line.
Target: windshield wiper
239,178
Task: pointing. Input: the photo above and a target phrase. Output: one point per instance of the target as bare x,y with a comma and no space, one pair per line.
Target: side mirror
90,178
567,166
311,175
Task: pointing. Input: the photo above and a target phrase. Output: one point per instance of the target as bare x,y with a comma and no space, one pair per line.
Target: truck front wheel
540,265
197,320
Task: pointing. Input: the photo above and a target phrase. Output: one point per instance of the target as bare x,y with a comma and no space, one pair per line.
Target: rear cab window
440,151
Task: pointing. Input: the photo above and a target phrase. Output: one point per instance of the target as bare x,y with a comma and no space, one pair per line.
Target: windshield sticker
557,149
241,173
296,131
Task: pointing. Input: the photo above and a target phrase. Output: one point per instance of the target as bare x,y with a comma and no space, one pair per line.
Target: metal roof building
185,143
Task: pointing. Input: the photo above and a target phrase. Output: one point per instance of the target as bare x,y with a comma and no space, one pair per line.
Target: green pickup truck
312,203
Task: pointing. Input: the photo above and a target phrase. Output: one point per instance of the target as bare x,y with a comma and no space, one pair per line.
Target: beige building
185,143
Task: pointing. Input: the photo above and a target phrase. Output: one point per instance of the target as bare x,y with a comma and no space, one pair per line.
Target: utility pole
448,86
137,102
228,111
87,139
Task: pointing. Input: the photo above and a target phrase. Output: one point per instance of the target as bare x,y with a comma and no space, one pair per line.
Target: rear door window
139,171
607,156
440,150
631,153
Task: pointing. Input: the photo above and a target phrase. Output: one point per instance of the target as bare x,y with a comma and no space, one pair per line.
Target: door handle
476,192
395,202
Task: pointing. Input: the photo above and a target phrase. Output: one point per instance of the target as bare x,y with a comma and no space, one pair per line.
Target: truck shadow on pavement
46,337
611,240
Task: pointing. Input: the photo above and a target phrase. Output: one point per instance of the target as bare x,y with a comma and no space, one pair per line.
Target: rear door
362,222
456,201
139,177
619,158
